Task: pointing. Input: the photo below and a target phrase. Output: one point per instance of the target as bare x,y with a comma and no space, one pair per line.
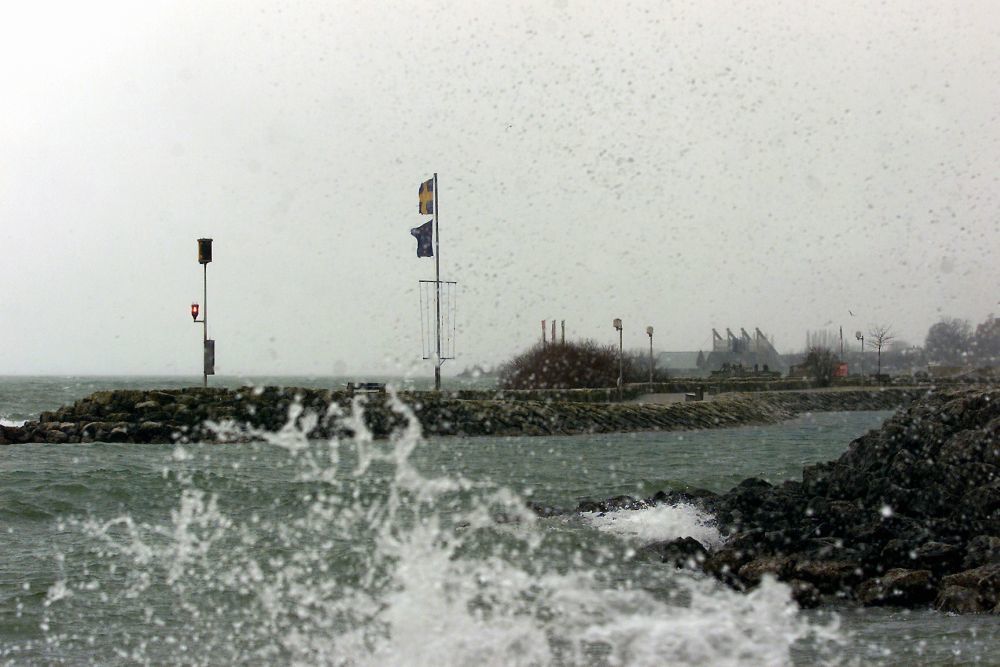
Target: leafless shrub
572,365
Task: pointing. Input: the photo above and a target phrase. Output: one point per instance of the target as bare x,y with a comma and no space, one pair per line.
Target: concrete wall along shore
187,414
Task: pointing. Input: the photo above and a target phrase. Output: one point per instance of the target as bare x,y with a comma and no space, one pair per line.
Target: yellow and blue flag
426,195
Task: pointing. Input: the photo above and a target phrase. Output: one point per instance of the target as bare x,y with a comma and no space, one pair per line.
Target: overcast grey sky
680,164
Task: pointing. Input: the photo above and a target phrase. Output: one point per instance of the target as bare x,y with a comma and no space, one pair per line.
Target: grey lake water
408,552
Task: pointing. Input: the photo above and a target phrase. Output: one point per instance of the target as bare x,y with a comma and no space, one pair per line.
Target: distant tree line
953,342
949,342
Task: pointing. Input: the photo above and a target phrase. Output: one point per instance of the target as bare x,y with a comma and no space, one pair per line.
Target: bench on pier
696,395
366,387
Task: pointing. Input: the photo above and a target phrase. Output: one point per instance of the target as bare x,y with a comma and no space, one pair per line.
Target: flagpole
437,282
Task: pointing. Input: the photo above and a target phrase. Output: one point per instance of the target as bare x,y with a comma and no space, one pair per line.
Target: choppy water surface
391,553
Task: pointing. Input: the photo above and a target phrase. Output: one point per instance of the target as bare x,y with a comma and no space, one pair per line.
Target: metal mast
437,281
204,321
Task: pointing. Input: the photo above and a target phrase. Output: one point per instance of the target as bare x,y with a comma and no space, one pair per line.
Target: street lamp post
618,326
860,336
208,346
649,332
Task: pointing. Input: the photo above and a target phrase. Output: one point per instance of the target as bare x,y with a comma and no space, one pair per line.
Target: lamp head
194,311
204,251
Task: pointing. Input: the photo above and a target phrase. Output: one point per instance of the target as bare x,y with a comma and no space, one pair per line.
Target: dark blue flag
425,236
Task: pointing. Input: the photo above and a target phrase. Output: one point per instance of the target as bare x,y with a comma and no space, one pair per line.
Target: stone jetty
193,414
908,516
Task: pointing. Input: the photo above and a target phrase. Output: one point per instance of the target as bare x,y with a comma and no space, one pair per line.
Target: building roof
670,360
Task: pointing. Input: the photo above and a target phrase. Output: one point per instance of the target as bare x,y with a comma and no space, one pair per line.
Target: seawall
187,414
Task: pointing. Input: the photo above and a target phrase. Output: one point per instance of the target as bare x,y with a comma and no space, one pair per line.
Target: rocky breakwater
195,414
908,516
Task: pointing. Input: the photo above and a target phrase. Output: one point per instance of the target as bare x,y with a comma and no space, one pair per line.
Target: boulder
981,550
960,600
805,594
118,434
102,398
829,576
937,557
702,498
984,580
681,552
779,567
151,431
55,436
545,511
612,504
725,565
898,587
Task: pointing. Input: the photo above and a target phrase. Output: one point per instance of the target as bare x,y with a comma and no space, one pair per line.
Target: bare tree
824,338
879,336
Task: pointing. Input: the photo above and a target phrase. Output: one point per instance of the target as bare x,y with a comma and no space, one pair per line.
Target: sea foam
658,523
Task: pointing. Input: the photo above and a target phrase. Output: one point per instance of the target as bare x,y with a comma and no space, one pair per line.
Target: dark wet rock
55,436
915,501
980,507
898,552
701,498
829,576
982,550
898,587
682,552
612,505
960,600
118,434
826,548
91,429
750,543
152,431
545,511
780,567
937,557
984,580
805,594
725,565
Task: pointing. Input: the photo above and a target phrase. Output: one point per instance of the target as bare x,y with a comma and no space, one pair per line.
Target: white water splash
659,523
403,569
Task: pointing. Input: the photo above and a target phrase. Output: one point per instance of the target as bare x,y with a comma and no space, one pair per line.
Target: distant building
680,364
749,353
